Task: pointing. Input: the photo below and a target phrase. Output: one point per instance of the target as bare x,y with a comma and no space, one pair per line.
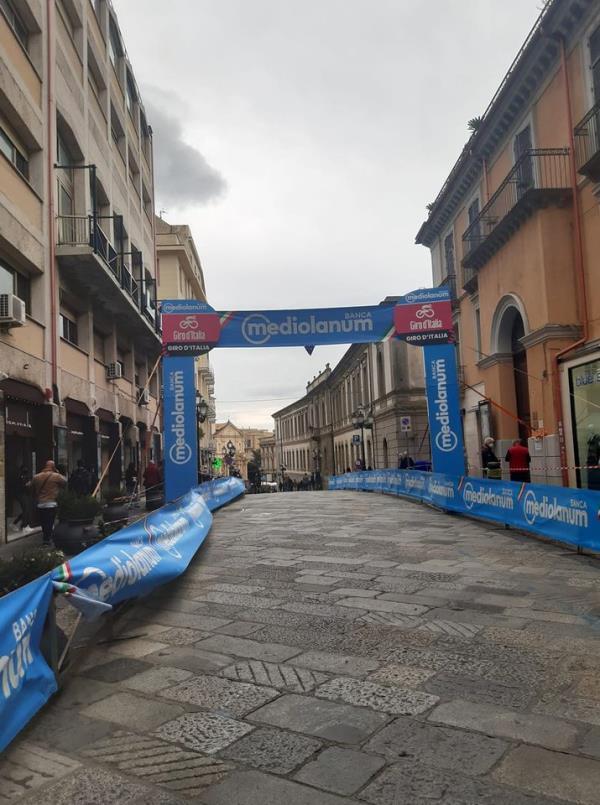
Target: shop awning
22,391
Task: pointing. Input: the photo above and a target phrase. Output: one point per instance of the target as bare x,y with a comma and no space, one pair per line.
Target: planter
74,536
115,512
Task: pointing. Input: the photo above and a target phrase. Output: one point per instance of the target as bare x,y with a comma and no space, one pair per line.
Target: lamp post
201,414
231,451
364,421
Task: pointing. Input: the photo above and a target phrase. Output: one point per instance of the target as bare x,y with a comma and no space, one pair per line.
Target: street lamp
201,414
231,451
358,421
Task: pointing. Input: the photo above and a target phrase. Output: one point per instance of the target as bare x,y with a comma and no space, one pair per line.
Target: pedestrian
130,478
518,461
151,475
45,487
406,462
489,460
80,481
348,469
23,498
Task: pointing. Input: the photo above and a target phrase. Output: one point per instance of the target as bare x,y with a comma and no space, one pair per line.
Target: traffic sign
356,439
405,424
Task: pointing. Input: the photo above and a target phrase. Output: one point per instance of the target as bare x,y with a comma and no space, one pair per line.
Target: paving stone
493,720
235,599
189,621
156,679
239,629
240,589
203,732
174,604
159,763
256,788
453,749
134,648
116,670
352,592
228,697
379,605
27,767
336,663
342,771
191,658
133,711
81,691
94,786
579,709
397,584
322,610
390,619
285,677
182,637
454,628
269,652
476,689
402,676
325,581
272,750
555,774
64,730
386,699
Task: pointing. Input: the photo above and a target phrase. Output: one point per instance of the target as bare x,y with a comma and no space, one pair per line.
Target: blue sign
296,328
441,294
565,515
185,306
26,680
180,427
443,409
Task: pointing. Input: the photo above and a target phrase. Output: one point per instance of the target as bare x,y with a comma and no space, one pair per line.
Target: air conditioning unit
143,396
114,371
12,311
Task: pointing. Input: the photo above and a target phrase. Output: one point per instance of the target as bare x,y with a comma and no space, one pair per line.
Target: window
594,45
14,283
99,346
473,212
116,129
12,153
15,22
68,329
130,95
115,51
449,254
478,353
522,151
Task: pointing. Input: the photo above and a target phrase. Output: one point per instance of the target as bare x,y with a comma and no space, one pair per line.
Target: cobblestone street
330,648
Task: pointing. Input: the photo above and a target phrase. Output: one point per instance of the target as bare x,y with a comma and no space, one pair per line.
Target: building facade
79,330
515,232
180,276
227,433
385,381
268,457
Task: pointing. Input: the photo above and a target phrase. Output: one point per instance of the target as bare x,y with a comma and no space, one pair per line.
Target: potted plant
116,505
76,529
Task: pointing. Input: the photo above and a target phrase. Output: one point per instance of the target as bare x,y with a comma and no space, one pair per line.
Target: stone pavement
337,648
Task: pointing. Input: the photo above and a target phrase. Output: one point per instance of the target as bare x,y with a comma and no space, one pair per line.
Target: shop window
13,282
584,382
13,154
68,329
14,20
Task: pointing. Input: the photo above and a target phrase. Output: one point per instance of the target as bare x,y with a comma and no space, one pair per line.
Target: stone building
268,457
515,232
180,276
385,382
79,331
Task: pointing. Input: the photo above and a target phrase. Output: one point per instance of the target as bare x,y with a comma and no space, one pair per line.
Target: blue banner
443,409
26,680
296,328
440,294
565,515
180,426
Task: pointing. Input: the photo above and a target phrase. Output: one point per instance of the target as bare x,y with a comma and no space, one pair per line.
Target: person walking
151,475
406,462
489,460
80,481
45,488
518,461
23,498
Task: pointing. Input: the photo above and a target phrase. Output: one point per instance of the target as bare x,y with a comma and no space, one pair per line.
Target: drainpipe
579,267
51,139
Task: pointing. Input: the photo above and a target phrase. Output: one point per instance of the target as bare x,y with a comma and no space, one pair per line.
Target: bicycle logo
425,312
189,323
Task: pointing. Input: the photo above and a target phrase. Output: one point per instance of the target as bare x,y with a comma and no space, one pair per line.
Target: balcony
539,178
587,145
111,278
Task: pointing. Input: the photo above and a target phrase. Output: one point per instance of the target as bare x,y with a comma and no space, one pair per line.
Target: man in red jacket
518,461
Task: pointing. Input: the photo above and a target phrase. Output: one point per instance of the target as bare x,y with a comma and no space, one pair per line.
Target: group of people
517,457
307,483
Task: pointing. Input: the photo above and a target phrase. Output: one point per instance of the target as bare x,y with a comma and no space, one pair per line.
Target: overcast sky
301,140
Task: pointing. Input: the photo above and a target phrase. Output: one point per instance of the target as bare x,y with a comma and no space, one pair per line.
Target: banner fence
558,513
128,564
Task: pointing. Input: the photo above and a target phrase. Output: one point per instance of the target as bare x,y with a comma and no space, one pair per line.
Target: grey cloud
183,176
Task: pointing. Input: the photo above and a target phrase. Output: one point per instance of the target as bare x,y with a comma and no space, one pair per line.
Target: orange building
515,233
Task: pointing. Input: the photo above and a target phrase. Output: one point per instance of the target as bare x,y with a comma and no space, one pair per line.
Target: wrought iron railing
450,282
587,138
536,169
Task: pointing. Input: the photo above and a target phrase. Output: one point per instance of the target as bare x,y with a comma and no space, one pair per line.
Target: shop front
584,395
27,439
81,438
